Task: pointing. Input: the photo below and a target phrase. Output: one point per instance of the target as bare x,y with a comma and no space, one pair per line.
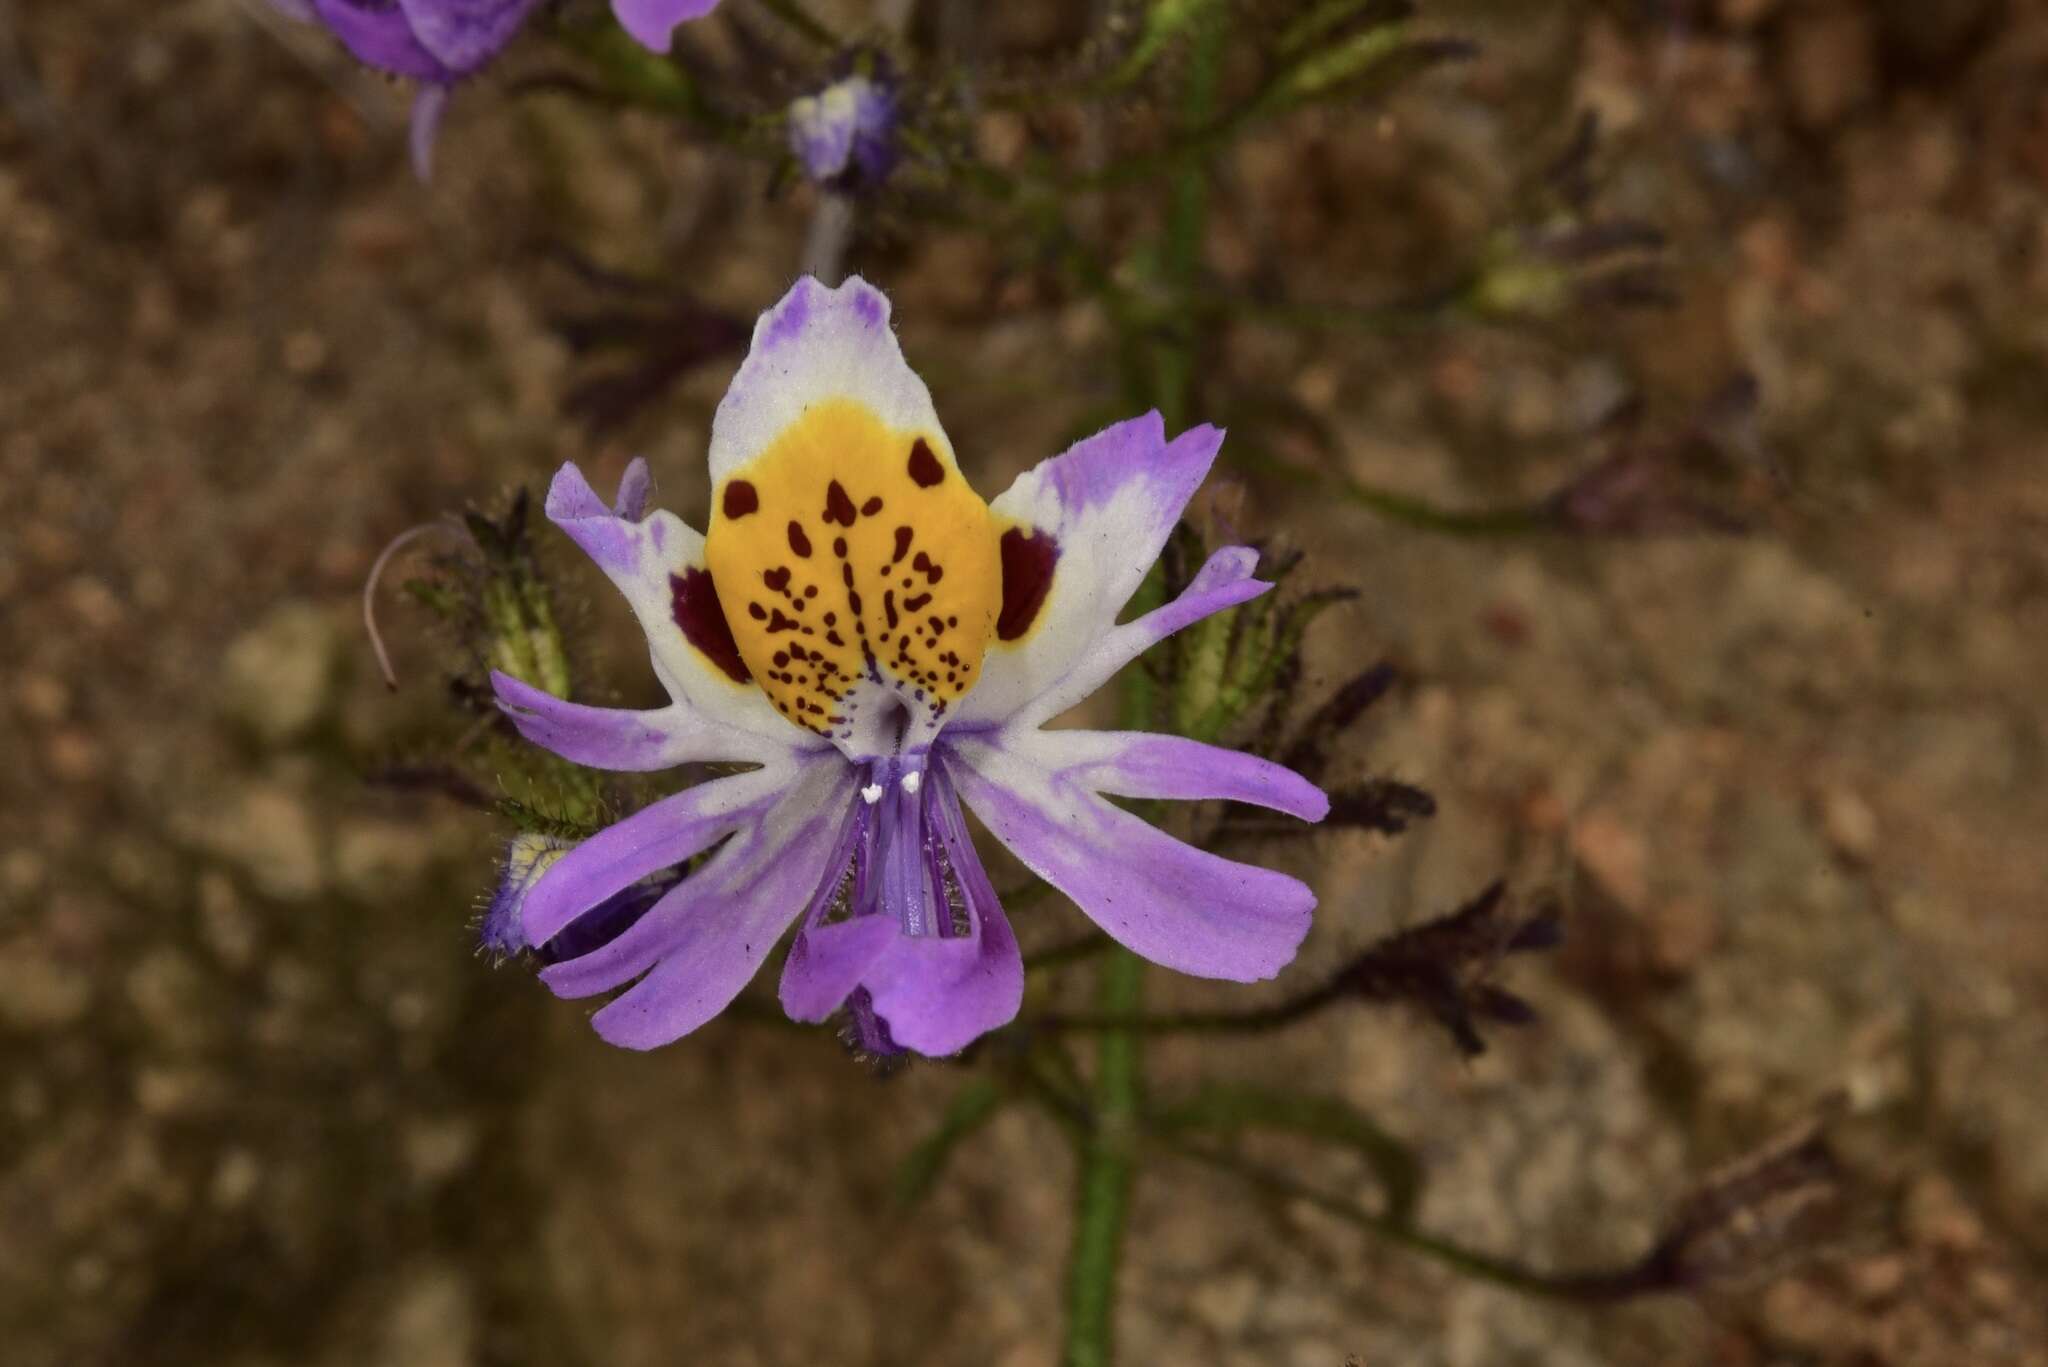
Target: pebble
41,994
267,831
278,676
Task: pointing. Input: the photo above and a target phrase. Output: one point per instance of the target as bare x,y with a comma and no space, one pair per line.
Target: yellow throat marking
847,551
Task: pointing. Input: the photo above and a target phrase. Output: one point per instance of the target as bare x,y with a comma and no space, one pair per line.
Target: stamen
912,780
871,794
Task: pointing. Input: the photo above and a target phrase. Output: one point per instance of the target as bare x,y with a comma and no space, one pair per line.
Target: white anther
871,794
912,780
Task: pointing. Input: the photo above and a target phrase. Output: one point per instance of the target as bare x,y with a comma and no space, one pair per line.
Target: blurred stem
807,25
1108,1148
1180,255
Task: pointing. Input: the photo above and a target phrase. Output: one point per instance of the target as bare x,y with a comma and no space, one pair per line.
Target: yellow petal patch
849,551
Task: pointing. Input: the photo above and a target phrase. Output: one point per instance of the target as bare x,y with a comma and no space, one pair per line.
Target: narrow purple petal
618,739
1176,905
658,836
724,925
653,22
1138,764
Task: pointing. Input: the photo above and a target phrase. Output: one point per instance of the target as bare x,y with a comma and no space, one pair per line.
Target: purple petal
940,995
379,33
464,34
1176,905
658,836
617,739
826,963
1138,764
1108,504
635,485
651,561
653,22
725,919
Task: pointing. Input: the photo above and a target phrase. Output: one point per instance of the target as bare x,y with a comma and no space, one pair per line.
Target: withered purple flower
882,646
844,136
439,42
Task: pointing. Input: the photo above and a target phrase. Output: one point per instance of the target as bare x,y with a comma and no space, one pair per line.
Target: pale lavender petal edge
1178,906
1144,765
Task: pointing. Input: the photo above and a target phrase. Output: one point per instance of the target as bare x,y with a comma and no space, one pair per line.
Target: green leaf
921,1168
1232,1108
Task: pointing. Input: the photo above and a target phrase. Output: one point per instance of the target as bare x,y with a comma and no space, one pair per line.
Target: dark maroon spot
853,601
889,605
936,625
838,507
740,498
797,652
871,507
1027,578
846,575
917,604
924,466
693,603
839,547
778,622
831,618
798,542
902,543
810,591
781,658
935,573
922,564
757,612
776,579
835,638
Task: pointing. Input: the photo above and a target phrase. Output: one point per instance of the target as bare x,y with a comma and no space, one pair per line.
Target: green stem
1108,1156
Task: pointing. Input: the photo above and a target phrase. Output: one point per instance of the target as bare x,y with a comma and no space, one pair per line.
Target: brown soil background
261,1104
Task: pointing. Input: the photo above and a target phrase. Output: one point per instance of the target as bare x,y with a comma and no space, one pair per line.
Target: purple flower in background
438,42
845,135
883,646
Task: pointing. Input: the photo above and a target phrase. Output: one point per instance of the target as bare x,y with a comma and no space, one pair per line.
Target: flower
844,136
883,646
438,42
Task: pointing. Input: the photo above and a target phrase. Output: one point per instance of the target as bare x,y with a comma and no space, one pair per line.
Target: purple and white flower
882,646
845,135
438,42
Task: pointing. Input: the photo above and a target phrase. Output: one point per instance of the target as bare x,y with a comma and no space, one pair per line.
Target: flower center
860,575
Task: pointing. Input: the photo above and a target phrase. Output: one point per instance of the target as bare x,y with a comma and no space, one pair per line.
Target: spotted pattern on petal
859,556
